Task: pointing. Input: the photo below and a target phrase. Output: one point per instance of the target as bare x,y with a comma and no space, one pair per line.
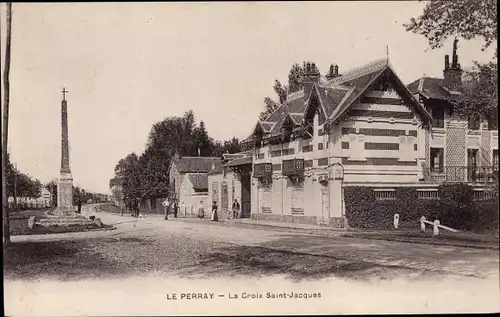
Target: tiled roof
337,95
199,181
430,87
194,164
240,161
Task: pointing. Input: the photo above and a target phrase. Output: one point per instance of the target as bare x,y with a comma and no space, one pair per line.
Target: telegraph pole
5,127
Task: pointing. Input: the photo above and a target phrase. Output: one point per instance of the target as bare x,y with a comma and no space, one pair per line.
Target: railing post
396,221
436,228
422,224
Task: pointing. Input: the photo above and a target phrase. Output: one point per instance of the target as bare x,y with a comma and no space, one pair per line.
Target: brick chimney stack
452,74
333,72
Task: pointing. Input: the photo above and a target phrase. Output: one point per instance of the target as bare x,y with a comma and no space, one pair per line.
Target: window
437,159
288,152
320,146
276,167
345,145
438,117
493,121
385,194
381,146
320,132
307,148
323,161
495,160
415,147
260,156
427,194
276,153
473,122
308,163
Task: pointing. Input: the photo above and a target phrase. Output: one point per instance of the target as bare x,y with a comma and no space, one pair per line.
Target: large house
189,181
460,149
364,127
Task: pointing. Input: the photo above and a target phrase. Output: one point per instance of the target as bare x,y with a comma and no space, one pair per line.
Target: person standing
236,209
214,211
201,211
176,208
79,206
166,204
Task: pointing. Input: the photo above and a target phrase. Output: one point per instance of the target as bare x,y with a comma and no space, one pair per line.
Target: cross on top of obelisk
64,91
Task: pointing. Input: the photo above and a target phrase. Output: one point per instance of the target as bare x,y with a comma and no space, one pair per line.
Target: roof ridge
359,71
207,157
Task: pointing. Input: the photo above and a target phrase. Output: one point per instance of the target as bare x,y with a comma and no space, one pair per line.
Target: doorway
245,195
472,164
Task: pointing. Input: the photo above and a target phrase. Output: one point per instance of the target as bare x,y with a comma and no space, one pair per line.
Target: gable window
473,122
437,160
320,146
438,117
260,156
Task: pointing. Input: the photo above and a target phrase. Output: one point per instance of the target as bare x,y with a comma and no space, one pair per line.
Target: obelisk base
65,196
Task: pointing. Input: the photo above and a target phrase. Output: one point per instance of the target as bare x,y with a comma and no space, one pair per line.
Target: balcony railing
469,174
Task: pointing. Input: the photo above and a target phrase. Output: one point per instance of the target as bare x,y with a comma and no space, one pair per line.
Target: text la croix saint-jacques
268,295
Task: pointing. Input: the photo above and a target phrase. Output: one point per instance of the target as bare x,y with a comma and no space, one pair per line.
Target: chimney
452,75
334,72
310,77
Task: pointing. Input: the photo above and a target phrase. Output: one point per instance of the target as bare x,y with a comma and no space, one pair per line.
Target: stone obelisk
65,183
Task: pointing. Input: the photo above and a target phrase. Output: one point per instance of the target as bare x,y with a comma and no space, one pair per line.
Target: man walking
166,204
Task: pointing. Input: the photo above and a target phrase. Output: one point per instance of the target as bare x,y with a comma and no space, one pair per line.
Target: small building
232,180
189,182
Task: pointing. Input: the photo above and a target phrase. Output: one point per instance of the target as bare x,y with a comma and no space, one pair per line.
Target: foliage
147,176
20,184
480,92
464,18
294,84
455,208
467,19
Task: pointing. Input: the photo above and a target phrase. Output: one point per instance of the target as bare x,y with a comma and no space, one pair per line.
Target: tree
467,19
5,124
295,78
202,140
270,107
52,188
295,83
232,146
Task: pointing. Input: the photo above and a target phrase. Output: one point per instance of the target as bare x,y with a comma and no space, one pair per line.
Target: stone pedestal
65,196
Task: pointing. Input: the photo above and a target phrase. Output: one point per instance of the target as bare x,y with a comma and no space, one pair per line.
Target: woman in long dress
214,212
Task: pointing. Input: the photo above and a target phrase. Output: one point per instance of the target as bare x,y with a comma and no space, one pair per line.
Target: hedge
455,208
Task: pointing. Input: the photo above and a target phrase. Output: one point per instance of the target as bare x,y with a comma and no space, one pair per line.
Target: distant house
231,180
45,200
189,181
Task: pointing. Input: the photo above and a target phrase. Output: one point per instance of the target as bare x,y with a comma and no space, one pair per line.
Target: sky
129,65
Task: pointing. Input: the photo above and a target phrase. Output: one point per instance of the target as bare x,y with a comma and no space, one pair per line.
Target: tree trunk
5,130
